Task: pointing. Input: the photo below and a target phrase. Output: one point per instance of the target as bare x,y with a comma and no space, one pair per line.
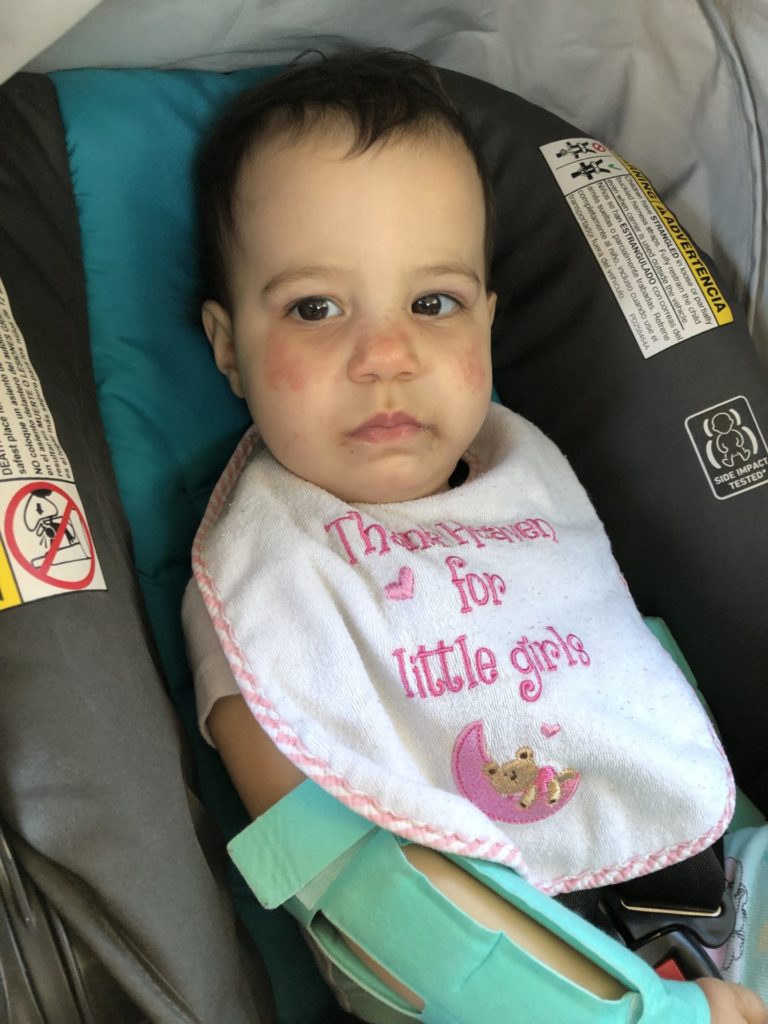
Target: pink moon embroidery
469,758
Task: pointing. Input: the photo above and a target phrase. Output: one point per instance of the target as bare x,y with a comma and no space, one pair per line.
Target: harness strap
338,874
694,885
666,920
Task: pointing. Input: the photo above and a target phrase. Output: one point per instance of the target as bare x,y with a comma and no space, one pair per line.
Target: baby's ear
218,327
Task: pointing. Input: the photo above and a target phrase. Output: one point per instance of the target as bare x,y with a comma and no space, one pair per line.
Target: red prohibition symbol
58,529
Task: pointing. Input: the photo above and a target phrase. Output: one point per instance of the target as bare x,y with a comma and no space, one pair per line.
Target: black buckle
660,935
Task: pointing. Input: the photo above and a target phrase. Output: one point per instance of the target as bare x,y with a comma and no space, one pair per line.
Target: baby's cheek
475,371
282,370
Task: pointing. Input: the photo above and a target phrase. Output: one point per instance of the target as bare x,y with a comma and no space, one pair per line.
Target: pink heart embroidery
549,730
402,588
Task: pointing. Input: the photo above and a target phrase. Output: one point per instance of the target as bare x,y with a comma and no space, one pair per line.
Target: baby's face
360,325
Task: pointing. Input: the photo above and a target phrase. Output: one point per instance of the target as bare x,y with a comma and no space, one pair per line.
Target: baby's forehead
335,131
298,185
278,145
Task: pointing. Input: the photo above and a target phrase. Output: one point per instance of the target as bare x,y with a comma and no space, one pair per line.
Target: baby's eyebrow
445,269
291,274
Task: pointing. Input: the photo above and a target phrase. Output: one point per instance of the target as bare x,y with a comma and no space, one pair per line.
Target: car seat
112,870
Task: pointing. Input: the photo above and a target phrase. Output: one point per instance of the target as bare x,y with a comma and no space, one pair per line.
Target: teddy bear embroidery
522,776
518,790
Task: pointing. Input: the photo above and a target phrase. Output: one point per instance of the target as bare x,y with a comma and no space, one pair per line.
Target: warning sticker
45,543
663,286
730,446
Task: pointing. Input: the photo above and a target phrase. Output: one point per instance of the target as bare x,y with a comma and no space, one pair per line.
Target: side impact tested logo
730,446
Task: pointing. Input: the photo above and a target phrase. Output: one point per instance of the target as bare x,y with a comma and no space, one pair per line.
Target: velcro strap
294,842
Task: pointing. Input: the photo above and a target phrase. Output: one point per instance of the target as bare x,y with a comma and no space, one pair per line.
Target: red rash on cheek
282,372
474,372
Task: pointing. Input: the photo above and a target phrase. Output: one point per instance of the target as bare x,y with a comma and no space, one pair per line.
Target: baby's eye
315,307
435,304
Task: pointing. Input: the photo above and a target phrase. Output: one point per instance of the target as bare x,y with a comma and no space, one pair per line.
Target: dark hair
380,92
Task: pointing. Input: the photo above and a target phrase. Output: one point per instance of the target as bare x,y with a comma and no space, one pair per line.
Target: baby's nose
385,351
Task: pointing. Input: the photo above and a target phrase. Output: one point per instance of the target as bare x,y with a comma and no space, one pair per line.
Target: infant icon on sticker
45,519
730,447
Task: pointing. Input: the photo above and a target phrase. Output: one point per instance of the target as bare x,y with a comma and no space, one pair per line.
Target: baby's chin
392,478
390,492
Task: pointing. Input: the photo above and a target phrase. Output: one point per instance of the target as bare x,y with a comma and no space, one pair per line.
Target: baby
410,588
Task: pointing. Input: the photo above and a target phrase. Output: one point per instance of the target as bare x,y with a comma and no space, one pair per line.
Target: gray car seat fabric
104,872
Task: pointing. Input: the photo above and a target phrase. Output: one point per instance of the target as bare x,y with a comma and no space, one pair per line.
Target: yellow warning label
9,593
706,282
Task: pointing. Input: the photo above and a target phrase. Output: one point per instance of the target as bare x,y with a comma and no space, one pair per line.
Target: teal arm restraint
338,873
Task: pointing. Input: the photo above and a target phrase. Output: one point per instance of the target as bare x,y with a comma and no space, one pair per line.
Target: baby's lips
387,421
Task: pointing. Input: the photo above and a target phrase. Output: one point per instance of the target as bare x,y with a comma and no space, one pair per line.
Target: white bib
467,670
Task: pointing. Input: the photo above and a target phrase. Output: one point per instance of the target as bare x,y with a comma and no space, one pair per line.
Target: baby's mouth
387,427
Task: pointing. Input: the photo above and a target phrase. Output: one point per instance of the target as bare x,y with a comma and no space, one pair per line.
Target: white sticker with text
663,286
46,546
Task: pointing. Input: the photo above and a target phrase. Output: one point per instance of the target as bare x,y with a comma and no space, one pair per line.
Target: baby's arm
262,776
